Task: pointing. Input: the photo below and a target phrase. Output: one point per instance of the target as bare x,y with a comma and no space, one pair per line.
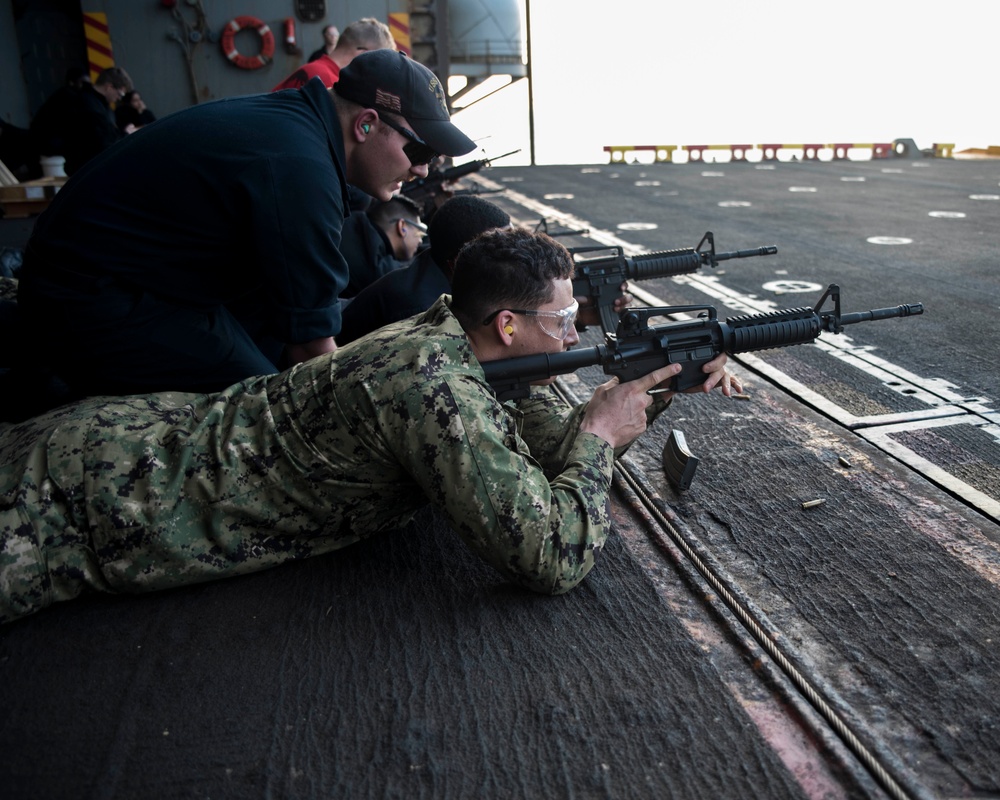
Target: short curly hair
506,268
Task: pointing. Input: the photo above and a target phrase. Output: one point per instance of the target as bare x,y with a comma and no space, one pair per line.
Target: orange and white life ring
228,42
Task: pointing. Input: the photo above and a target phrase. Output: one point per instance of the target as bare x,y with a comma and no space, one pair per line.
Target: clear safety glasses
559,326
418,226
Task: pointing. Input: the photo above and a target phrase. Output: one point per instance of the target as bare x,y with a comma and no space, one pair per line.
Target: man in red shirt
365,34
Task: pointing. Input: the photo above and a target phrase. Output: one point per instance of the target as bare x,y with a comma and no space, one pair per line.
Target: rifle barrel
637,349
768,250
905,310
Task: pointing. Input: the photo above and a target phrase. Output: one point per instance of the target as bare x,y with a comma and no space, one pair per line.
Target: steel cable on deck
757,631
753,626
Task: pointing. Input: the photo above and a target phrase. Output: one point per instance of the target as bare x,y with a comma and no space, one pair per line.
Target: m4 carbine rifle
638,348
601,278
420,189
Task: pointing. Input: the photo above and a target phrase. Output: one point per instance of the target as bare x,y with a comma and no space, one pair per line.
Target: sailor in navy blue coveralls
155,299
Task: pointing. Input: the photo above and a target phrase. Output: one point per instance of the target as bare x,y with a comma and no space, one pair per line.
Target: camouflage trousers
36,573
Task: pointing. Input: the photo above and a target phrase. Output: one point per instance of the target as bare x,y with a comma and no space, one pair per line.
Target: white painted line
880,437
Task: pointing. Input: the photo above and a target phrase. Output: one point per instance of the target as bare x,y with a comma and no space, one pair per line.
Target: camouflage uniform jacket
147,492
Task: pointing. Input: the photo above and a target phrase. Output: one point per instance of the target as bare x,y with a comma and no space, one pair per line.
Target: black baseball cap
388,80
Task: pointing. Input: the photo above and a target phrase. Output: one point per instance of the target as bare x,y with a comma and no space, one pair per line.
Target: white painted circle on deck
888,240
637,226
789,286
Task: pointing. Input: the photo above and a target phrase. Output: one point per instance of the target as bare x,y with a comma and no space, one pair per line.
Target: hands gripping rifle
601,278
639,348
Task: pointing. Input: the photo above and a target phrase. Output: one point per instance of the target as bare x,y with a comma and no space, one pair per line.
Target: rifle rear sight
601,278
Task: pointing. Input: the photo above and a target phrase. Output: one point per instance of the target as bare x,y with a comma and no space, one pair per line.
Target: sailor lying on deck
147,492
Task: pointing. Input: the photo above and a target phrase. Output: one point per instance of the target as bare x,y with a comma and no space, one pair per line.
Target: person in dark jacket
78,123
414,288
132,112
330,36
177,259
52,120
379,240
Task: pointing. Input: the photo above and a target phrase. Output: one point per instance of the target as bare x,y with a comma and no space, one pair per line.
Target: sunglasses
565,317
418,151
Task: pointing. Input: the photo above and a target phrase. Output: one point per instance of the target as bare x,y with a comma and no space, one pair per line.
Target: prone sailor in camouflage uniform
141,493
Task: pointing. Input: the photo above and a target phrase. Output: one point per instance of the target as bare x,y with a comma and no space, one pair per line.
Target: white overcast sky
736,72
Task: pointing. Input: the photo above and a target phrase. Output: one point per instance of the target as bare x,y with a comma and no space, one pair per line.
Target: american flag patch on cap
390,102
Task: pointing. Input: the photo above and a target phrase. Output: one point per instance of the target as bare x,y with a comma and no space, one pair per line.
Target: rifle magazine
678,463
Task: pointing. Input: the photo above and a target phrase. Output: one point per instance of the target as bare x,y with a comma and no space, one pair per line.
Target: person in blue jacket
380,240
414,288
204,249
